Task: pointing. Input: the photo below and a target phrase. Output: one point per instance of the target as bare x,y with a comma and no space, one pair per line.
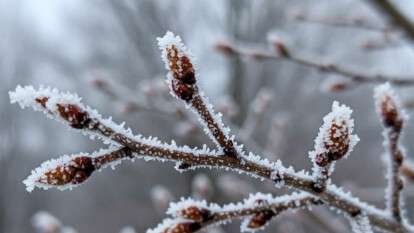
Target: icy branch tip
181,71
389,107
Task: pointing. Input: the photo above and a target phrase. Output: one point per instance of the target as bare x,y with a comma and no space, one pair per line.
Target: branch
393,117
396,17
256,211
68,109
283,53
350,22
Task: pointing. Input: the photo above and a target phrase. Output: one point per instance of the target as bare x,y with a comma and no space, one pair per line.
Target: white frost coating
383,91
360,224
250,202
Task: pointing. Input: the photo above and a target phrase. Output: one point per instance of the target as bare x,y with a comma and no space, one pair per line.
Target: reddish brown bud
260,219
77,171
338,142
390,114
196,214
77,118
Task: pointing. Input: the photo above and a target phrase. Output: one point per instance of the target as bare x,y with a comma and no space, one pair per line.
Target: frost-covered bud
335,139
389,107
62,106
181,72
65,172
195,213
260,219
184,227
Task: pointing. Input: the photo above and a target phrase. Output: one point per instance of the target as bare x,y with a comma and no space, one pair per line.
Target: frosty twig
334,142
392,116
256,211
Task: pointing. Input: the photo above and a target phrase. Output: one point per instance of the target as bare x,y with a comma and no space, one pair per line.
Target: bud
196,214
335,139
336,84
182,76
260,219
389,107
62,173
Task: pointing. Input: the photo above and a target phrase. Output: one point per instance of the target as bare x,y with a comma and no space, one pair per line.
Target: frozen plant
334,142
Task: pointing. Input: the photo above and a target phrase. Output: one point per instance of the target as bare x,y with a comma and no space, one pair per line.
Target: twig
336,143
190,216
326,67
396,17
392,116
354,22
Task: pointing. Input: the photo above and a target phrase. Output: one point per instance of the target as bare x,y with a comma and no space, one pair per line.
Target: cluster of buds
335,139
181,75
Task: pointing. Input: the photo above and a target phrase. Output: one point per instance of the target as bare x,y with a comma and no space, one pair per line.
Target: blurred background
106,51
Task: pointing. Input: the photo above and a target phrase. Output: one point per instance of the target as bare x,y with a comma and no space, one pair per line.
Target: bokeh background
85,46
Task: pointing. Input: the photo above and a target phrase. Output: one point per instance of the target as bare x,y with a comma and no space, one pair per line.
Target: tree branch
283,53
396,17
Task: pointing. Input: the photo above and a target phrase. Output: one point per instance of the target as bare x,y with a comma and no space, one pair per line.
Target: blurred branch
350,22
283,53
396,17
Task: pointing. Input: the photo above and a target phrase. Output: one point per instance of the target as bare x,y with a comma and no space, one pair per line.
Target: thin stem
323,67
